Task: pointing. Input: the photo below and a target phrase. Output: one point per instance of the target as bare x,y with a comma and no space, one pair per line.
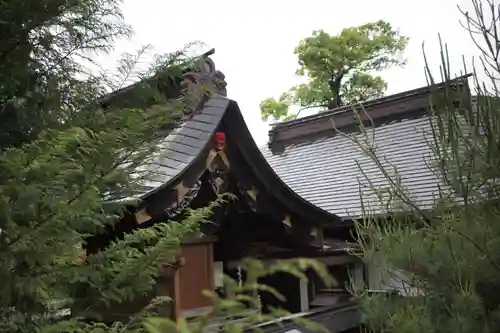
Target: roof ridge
371,103
387,106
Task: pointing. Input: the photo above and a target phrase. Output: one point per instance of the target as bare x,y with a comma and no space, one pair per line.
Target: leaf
338,67
159,325
182,325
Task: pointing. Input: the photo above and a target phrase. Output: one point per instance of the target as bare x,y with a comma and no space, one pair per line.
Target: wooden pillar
176,294
358,273
304,295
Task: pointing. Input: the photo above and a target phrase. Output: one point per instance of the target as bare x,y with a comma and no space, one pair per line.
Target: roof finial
203,81
208,53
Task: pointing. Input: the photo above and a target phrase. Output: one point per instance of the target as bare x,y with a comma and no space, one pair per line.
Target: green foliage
43,45
338,68
71,156
239,309
67,165
447,257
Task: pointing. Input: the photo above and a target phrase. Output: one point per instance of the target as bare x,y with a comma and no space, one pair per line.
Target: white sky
254,40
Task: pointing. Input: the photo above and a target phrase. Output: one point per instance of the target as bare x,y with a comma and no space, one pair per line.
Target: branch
308,107
84,190
370,152
479,248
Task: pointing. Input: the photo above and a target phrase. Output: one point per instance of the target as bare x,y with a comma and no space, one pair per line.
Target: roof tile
326,172
205,127
184,144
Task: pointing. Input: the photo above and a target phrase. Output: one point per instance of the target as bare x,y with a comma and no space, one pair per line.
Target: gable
190,155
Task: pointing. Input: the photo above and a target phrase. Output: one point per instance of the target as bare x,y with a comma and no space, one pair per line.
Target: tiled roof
325,171
180,148
186,146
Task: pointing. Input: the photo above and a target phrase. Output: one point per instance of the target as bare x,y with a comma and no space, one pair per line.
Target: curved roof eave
273,184
186,144
219,109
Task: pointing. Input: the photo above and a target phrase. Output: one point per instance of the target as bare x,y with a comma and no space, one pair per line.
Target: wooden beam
329,261
304,295
175,293
200,240
142,216
317,233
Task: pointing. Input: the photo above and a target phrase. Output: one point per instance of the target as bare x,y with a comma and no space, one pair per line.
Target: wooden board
196,275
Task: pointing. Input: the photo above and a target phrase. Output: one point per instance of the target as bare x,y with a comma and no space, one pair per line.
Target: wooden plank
195,276
200,240
329,261
210,266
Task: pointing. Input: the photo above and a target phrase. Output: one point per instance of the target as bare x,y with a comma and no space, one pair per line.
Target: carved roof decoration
202,82
199,82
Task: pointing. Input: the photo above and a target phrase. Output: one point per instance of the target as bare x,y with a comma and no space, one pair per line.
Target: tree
449,254
67,162
338,68
43,46
70,154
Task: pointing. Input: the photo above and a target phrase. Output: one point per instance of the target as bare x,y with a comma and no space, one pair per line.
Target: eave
188,151
252,170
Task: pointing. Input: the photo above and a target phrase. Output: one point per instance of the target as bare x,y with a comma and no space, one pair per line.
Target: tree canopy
67,162
339,68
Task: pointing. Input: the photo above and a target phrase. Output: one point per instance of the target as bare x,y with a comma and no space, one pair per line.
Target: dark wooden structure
211,152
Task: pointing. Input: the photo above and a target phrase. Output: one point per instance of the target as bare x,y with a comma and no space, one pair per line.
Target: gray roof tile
212,109
168,163
185,140
181,148
325,171
193,133
217,102
184,144
205,127
193,142
206,118
176,156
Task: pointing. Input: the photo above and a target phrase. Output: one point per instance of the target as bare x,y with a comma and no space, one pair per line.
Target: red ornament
220,141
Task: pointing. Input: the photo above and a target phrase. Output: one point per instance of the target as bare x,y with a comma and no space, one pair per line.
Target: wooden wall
196,275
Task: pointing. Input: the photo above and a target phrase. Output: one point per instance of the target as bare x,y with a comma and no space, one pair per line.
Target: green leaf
338,67
159,325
